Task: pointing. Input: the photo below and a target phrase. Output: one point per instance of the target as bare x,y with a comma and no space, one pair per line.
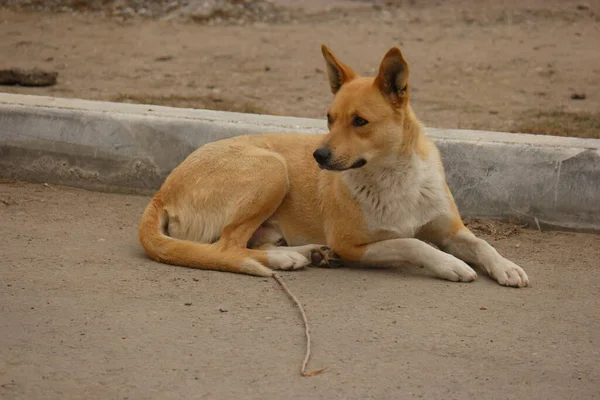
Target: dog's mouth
336,167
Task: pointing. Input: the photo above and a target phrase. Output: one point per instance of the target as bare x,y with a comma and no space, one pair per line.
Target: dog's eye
358,121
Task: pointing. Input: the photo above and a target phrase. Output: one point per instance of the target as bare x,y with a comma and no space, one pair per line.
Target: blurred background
517,66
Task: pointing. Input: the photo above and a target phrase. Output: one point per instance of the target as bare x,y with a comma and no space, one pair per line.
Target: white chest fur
399,198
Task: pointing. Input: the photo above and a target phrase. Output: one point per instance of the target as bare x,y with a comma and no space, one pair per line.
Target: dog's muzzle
323,157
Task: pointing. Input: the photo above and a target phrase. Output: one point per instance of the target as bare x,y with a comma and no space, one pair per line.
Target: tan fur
382,193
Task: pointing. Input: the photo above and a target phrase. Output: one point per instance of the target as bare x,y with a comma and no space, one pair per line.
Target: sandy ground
85,315
478,64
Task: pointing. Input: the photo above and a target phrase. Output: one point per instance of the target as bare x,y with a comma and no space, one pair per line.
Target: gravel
208,12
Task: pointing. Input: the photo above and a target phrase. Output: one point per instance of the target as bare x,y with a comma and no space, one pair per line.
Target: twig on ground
537,223
9,201
51,187
306,328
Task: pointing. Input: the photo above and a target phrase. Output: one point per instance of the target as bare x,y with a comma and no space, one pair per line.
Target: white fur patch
285,259
253,267
188,224
400,197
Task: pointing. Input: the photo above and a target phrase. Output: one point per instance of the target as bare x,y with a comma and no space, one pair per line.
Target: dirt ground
85,315
510,66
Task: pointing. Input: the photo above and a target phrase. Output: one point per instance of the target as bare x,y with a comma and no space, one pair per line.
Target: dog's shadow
404,270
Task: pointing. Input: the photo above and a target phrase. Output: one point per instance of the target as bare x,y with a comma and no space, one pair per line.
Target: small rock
483,308
195,279
173,5
386,16
203,14
33,77
187,304
128,12
583,7
223,310
578,96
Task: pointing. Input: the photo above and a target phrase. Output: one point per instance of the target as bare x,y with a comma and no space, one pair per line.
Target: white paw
453,269
508,273
279,259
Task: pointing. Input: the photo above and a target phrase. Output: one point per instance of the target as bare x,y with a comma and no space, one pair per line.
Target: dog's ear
337,72
392,78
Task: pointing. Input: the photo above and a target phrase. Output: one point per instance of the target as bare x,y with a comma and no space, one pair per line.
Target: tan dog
375,194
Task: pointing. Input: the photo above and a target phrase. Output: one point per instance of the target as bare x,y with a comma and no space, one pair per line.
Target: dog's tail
168,250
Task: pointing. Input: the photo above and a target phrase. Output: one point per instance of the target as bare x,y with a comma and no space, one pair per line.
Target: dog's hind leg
319,256
210,206
260,200
268,237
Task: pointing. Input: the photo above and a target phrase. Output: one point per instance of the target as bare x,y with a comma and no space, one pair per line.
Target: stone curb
546,180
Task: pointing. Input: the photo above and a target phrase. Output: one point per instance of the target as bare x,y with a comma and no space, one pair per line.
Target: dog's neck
412,130
392,171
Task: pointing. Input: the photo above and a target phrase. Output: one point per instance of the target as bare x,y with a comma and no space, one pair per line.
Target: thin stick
537,223
306,328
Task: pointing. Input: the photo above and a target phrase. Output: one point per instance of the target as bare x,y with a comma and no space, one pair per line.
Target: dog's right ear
337,72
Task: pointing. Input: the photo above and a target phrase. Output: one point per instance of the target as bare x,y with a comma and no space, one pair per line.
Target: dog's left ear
337,72
392,78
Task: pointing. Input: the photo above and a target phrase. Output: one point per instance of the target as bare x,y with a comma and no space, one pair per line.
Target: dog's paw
286,260
455,270
324,257
508,273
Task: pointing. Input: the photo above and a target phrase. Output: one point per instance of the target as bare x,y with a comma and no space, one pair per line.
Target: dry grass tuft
560,123
492,228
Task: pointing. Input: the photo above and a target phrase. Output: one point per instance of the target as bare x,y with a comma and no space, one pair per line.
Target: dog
371,191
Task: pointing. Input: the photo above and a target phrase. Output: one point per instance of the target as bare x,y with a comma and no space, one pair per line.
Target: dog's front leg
413,251
466,246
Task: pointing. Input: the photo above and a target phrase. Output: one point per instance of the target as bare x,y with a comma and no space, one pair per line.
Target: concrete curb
132,148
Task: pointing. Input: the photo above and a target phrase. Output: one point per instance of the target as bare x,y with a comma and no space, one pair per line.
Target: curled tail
168,250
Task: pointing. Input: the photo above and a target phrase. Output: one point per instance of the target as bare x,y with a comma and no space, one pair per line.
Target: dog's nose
322,155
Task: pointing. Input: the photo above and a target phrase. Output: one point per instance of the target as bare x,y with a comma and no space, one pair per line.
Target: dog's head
368,117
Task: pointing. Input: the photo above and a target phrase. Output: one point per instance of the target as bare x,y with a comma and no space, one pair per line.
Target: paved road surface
84,315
